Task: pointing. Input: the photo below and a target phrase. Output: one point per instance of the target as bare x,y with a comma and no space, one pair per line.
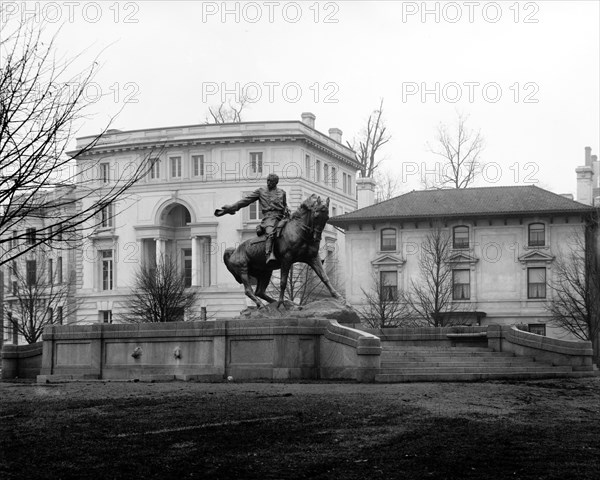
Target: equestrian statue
281,241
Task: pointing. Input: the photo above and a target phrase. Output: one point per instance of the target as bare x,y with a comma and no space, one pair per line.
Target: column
203,277
195,278
160,250
213,252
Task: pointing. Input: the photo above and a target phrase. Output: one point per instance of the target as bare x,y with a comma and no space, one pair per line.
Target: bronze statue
273,205
298,241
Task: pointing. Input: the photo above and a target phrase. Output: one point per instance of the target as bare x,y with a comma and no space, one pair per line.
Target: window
15,288
389,286
31,268
187,267
388,239
537,328
333,211
461,284
107,269
326,174
154,168
537,235
252,211
536,282
59,315
106,216
14,241
59,270
461,237
50,315
307,168
105,172
30,235
197,165
50,272
106,316
175,167
256,162
333,177
347,183
15,268
318,170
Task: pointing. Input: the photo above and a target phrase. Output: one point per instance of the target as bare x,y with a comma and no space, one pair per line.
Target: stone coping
540,342
22,351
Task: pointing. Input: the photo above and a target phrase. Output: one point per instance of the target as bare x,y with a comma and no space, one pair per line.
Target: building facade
504,242
194,170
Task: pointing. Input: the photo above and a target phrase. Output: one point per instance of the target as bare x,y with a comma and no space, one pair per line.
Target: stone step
469,377
412,348
459,362
474,369
399,354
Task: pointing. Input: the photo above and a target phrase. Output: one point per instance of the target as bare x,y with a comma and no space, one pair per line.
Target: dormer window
388,239
537,235
461,237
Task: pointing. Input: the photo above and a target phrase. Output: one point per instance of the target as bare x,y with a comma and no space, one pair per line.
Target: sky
527,74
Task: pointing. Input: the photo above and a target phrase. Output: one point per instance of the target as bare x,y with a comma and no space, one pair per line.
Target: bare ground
547,429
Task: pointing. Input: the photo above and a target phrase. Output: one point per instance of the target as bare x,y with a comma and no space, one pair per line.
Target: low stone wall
21,361
506,338
432,336
242,349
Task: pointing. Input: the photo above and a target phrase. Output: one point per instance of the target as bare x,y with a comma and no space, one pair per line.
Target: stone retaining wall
21,361
506,338
242,349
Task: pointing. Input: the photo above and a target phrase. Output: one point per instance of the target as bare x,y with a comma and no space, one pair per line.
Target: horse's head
314,213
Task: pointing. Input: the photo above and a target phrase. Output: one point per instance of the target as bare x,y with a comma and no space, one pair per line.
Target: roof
466,202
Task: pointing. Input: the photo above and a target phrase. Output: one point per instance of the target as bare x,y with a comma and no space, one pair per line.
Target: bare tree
460,152
227,112
430,298
160,294
385,306
575,299
387,185
41,103
370,141
36,297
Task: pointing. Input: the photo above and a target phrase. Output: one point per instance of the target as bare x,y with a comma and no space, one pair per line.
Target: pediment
462,257
536,256
388,260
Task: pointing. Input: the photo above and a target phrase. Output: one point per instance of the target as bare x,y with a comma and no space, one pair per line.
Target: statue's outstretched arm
231,209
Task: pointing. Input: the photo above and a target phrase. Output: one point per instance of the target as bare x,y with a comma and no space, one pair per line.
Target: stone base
327,308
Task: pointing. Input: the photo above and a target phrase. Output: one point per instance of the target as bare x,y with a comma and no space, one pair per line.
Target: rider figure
273,206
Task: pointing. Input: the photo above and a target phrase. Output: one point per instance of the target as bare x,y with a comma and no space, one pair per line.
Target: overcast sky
526,73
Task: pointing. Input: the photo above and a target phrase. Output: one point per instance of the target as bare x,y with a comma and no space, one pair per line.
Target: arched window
537,234
460,238
388,239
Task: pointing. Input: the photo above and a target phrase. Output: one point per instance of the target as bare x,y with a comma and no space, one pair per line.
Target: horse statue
298,241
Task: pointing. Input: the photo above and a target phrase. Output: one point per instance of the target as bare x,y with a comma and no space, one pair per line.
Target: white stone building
197,169
504,243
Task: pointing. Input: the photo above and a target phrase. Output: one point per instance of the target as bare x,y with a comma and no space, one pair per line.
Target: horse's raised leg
261,288
317,266
285,270
248,288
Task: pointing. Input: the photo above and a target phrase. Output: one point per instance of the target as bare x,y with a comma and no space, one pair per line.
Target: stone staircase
424,364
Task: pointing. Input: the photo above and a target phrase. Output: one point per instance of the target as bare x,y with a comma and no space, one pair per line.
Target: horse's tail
226,256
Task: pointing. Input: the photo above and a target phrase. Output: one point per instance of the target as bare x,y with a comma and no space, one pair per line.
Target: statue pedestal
327,308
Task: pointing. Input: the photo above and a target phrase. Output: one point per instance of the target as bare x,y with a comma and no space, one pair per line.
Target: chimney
335,134
596,168
567,195
584,184
309,119
588,156
365,189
